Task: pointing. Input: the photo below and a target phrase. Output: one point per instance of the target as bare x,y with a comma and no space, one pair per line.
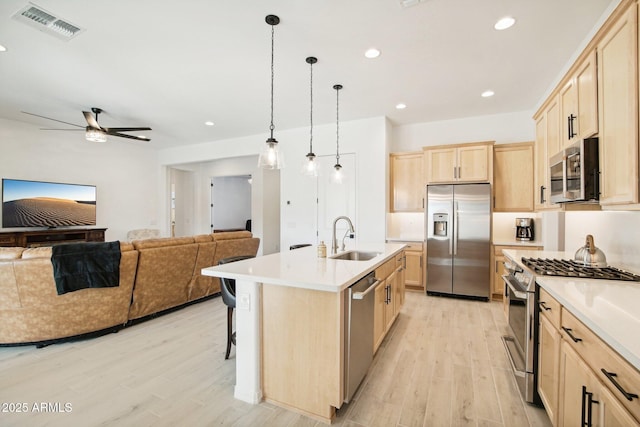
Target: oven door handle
518,293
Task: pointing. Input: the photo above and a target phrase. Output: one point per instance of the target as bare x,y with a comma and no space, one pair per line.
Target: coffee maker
524,229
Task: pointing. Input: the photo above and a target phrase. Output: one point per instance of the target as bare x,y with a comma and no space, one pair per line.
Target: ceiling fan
96,133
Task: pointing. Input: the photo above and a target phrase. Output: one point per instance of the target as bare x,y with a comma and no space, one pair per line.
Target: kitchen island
290,325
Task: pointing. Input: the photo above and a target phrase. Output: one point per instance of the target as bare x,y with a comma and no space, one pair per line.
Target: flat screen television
47,204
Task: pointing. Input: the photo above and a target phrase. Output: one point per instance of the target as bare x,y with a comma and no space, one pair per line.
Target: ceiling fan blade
122,135
55,120
91,120
124,129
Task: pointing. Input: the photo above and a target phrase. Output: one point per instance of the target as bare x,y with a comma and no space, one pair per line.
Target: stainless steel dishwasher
359,306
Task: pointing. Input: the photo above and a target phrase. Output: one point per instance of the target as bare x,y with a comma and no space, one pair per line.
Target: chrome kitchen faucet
334,241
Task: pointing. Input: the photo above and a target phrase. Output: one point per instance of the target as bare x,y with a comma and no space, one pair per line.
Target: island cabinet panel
302,348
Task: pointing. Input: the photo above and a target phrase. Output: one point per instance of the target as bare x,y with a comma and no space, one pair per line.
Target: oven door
521,345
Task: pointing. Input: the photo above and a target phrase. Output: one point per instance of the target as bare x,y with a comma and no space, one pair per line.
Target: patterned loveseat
155,275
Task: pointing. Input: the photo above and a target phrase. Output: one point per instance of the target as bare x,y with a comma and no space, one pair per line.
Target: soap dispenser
322,250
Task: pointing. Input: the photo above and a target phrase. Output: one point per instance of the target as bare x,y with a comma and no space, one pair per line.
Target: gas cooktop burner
570,268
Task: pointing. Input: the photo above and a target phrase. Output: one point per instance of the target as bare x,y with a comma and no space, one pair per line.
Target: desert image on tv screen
47,204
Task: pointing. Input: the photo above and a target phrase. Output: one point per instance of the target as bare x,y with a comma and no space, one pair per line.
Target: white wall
616,233
367,139
125,173
501,128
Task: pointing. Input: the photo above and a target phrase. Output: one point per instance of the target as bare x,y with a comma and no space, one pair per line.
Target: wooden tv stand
50,237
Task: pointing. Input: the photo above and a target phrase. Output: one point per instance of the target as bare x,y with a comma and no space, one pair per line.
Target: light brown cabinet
407,182
389,297
513,177
618,110
414,266
459,163
549,341
579,102
546,145
581,380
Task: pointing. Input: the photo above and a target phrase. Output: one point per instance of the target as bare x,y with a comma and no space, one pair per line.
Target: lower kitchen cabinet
549,341
389,297
414,269
572,374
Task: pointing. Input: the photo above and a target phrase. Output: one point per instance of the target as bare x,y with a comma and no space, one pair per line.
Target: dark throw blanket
86,265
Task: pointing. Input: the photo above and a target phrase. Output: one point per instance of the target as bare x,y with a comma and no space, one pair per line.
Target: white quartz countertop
301,268
608,307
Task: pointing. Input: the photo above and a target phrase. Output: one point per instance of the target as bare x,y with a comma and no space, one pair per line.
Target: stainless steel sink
356,256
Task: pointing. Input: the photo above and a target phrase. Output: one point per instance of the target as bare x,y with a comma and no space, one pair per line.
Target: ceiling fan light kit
96,133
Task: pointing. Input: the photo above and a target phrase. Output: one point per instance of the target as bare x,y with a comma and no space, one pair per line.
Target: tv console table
50,237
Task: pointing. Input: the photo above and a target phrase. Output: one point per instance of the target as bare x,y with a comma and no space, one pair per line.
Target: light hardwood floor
442,364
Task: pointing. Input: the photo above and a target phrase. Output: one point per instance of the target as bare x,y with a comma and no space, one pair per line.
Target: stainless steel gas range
522,297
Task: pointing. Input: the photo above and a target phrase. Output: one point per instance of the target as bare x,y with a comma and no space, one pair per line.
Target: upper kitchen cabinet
459,163
579,102
546,145
513,177
618,108
407,182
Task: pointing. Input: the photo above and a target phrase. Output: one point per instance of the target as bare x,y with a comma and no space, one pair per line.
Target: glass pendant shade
270,156
310,165
95,135
337,177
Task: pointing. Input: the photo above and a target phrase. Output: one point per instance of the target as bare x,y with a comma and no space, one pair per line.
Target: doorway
231,203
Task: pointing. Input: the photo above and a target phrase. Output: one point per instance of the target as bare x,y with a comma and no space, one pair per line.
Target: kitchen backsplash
504,227
405,225
617,234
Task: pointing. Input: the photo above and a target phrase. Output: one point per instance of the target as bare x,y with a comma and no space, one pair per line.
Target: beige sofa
155,275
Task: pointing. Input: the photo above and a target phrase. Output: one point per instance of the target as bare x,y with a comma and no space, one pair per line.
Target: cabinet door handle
543,305
611,376
542,188
568,331
571,132
455,172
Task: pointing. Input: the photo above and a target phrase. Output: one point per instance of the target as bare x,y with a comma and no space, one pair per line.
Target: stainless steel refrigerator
458,234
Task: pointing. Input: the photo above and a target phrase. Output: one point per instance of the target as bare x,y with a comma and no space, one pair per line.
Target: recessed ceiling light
209,123
504,23
487,93
372,53
2,48
401,106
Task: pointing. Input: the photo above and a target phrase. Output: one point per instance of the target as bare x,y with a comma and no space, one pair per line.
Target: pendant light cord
311,112
272,127
338,125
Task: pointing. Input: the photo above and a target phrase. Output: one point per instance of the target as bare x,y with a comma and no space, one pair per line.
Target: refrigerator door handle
455,228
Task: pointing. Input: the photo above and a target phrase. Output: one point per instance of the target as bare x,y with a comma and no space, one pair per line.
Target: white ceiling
172,65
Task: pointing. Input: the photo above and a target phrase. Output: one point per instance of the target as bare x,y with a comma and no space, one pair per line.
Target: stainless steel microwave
575,173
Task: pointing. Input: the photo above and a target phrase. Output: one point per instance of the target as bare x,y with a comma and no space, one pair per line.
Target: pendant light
310,165
338,174
270,157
